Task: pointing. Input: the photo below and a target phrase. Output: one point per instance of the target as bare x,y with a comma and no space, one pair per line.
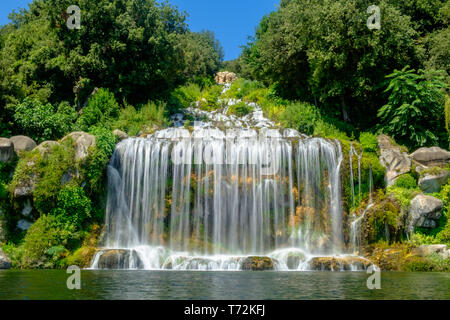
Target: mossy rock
117,259
346,263
388,258
258,264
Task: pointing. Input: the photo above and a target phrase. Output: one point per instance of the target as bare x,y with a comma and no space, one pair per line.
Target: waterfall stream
228,189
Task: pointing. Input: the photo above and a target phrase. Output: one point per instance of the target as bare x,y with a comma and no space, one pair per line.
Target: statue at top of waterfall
225,77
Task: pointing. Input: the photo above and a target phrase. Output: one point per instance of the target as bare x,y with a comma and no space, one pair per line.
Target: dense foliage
414,115
138,50
321,51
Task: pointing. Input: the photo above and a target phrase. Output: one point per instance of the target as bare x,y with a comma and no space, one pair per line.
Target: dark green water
153,285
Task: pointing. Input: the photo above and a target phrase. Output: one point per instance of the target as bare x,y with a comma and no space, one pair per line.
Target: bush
418,264
369,142
185,96
383,220
42,122
42,235
415,98
50,172
210,96
402,195
96,163
300,116
73,207
134,121
242,88
328,130
240,109
406,181
101,109
433,262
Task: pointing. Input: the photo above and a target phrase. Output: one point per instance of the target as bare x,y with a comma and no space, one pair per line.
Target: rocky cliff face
396,161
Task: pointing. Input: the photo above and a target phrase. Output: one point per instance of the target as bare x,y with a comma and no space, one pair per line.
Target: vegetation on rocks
135,63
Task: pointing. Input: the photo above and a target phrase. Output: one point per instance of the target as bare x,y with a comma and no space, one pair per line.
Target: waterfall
355,226
212,197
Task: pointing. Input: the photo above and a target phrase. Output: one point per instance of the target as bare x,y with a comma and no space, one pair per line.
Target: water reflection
156,285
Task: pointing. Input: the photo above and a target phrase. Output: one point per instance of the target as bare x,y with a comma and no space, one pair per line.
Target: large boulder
257,263
343,263
6,150
82,141
393,159
46,147
225,77
431,157
117,259
25,187
5,263
424,212
432,181
120,134
23,143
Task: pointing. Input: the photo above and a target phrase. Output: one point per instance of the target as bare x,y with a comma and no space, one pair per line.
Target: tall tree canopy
322,51
135,48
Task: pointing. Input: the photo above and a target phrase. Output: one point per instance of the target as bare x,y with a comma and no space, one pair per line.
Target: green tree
203,54
102,109
131,47
415,115
43,121
322,51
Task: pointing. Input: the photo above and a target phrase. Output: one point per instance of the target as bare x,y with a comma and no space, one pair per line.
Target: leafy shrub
418,264
184,96
240,109
242,88
300,116
444,195
383,220
368,141
414,115
83,256
50,172
433,262
41,236
402,195
98,159
328,130
210,96
406,181
42,122
73,207
101,109
134,121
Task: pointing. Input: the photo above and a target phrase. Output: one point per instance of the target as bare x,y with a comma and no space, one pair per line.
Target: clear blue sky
231,20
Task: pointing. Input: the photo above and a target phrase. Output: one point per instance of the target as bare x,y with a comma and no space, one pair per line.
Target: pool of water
171,285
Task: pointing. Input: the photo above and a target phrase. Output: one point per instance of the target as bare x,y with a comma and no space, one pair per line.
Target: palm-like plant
414,114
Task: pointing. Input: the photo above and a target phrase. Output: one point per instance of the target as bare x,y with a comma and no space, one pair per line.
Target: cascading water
210,198
355,226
